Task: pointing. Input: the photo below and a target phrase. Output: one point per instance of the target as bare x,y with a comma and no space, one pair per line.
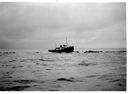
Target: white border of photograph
72,92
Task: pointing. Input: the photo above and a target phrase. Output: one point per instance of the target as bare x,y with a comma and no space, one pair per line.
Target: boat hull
66,50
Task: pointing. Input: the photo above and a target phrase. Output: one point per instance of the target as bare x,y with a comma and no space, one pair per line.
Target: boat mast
66,41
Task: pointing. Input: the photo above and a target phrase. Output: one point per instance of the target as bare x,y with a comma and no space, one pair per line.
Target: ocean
36,70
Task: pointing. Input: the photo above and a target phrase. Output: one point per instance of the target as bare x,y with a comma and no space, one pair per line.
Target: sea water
36,70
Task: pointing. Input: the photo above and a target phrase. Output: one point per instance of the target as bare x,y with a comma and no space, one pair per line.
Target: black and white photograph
63,46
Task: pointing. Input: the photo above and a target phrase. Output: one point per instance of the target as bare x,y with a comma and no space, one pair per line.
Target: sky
30,25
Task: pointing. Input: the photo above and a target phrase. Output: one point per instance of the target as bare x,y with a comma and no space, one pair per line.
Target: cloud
31,23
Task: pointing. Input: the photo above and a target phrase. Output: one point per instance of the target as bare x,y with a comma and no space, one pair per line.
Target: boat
63,48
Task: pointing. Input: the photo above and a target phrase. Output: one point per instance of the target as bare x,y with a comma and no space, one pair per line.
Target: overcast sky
40,25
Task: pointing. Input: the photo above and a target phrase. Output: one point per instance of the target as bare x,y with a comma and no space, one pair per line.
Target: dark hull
66,50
